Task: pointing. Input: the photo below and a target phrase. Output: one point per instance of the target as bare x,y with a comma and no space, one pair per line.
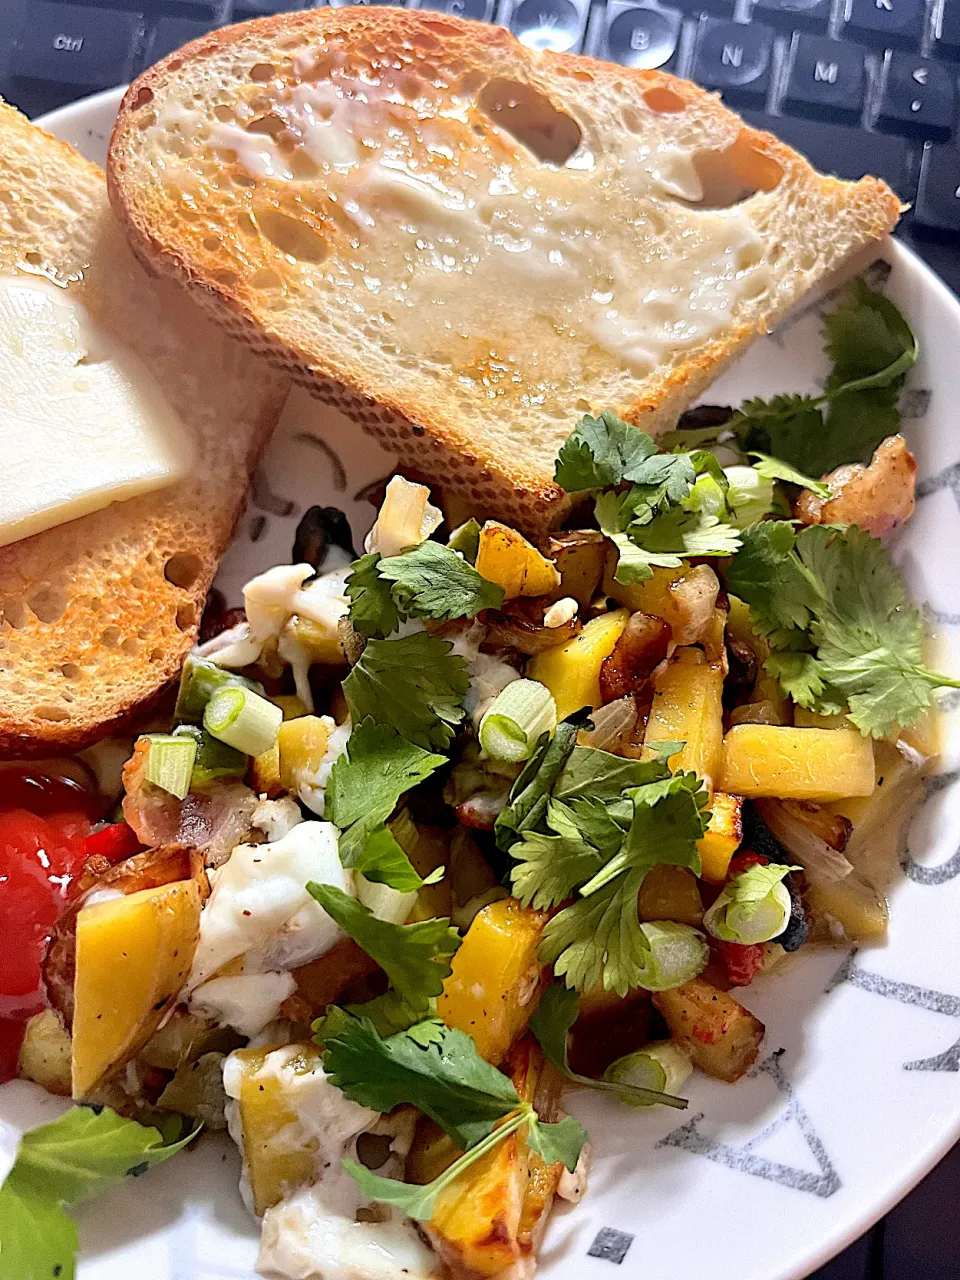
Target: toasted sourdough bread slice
97,614
465,244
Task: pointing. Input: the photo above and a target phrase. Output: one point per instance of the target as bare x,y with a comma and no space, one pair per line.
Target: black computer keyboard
859,86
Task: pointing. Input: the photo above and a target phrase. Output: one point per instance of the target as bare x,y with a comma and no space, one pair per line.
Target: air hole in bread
270,125
130,647
291,236
262,71
211,243
35,259
48,604
47,712
70,671
110,637
664,101
186,616
731,176
265,279
531,118
144,98
228,279
183,569
15,613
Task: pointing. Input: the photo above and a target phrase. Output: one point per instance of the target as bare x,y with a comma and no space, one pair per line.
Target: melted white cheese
244,1001
259,907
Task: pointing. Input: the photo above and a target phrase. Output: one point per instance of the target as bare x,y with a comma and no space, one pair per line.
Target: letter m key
825,72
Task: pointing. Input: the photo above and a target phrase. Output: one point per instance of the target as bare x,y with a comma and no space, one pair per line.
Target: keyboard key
340,4
244,9
826,78
917,97
548,24
849,153
806,15
641,36
68,44
170,34
948,36
721,8
938,200
481,10
735,58
886,22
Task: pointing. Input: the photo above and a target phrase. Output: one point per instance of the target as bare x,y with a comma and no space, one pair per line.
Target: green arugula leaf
842,632
73,1159
432,581
554,1016
372,609
415,683
415,957
441,1074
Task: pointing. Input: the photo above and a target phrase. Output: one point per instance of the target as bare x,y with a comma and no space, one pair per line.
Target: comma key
938,200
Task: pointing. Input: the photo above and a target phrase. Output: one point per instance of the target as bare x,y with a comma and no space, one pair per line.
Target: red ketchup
44,825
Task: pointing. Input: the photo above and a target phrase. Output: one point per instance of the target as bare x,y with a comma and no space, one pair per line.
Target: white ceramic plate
855,1095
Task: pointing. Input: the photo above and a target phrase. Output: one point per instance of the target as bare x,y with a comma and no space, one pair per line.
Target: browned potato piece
719,1034
494,1215
579,555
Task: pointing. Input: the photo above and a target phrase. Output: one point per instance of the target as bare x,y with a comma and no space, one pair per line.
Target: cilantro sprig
438,1070
366,782
872,348
426,581
75,1158
585,824
842,634
415,684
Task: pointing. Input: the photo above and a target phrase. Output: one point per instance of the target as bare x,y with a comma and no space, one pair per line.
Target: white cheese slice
83,422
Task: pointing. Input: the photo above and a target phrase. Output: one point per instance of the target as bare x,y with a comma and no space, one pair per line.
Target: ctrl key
73,44
938,200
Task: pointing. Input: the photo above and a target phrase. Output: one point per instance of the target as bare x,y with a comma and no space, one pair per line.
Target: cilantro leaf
432,581
442,1075
557,1143
777,469
835,612
550,867
553,1017
600,452
72,1159
415,957
530,792
372,610
391,1013
869,340
414,683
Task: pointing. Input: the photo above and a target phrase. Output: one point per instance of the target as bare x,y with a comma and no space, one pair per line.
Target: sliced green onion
754,907
386,904
520,713
170,763
670,954
199,681
243,719
215,762
662,1067
466,539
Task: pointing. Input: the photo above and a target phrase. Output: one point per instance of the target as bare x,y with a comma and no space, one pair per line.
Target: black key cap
886,22
938,201
849,153
481,10
70,44
735,58
641,36
244,9
795,15
948,36
548,24
722,8
917,97
826,79
170,34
